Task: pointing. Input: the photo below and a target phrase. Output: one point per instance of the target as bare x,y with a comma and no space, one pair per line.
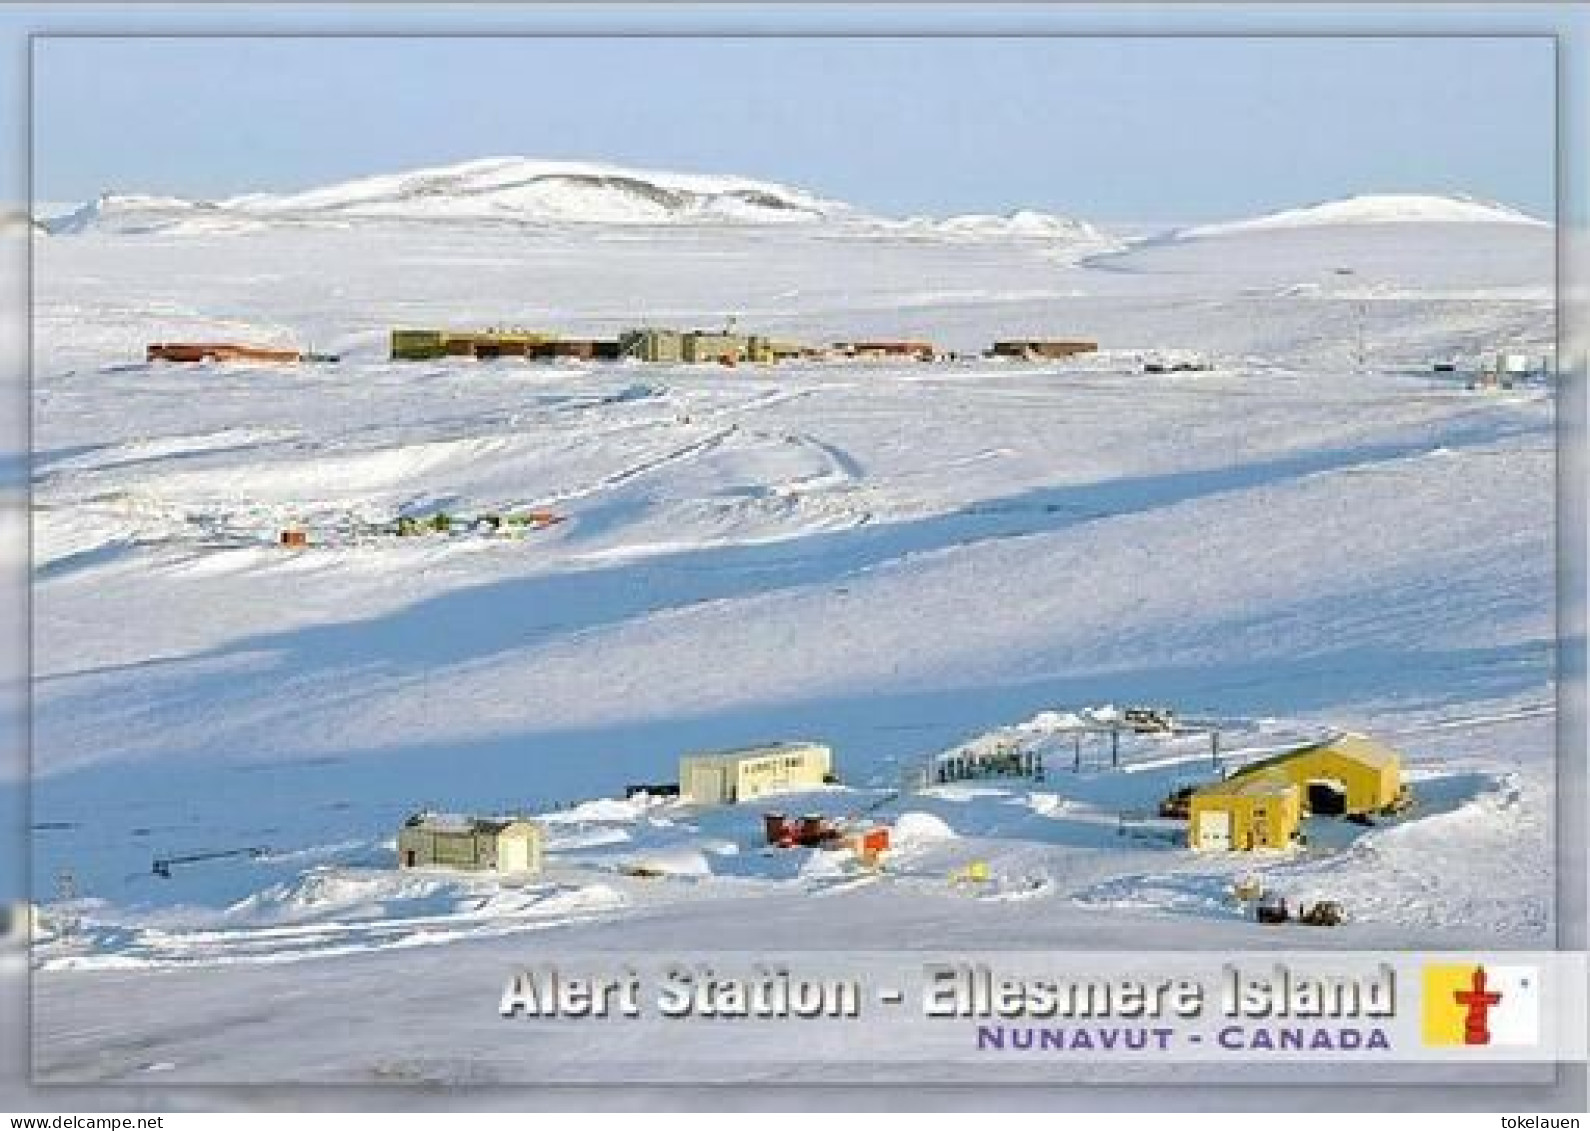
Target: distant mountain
519,190
1392,208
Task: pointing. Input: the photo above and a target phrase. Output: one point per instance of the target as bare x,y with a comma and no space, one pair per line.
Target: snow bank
679,861
916,828
822,865
1045,721
600,809
561,838
322,892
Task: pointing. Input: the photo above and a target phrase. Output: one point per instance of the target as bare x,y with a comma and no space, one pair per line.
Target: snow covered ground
893,559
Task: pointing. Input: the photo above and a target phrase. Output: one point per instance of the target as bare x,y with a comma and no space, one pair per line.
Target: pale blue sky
1109,128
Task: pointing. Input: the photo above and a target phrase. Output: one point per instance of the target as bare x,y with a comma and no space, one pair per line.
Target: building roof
1354,747
1249,785
1045,342
460,824
1366,750
760,750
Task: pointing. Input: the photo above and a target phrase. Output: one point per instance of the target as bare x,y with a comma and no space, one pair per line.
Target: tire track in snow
153,947
1467,722
845,465
646,467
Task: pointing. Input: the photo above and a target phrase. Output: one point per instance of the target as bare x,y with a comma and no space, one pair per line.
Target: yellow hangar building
1244,813
1262,804
1338,777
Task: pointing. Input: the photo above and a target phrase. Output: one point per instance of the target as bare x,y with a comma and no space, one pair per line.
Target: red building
218,351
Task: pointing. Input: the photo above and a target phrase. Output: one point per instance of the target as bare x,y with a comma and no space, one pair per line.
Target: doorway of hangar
1327,797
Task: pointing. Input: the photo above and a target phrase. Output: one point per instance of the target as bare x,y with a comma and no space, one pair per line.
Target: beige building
703,346
730,776
441,840
652,345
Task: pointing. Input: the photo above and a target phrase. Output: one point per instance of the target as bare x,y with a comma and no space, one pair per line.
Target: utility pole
1360,317
66,896
1361,355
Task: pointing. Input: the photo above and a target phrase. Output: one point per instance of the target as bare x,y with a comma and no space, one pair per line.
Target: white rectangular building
726,777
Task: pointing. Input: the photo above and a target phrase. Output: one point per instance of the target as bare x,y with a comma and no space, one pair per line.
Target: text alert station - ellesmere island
952,990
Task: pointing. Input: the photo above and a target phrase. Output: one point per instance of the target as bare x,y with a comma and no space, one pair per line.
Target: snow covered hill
1382,208
524,191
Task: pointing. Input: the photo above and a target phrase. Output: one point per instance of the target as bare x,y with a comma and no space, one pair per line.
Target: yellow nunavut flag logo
1480,1005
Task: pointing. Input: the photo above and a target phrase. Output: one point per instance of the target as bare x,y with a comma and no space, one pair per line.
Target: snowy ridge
1021,224
1385,208
136,214
528,191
